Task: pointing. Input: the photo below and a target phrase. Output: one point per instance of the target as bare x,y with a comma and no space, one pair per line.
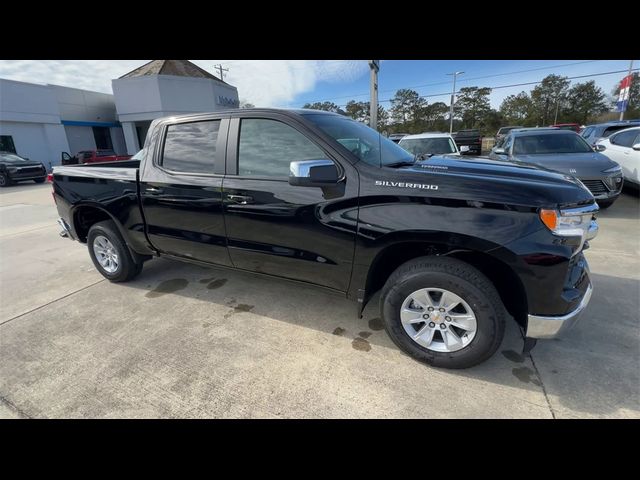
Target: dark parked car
593,133
472,139
14,168
567,152
451,244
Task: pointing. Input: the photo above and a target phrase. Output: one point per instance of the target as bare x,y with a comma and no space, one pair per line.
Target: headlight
616,169
12,169
572,222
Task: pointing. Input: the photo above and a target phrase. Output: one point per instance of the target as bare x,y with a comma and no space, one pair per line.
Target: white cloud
261,82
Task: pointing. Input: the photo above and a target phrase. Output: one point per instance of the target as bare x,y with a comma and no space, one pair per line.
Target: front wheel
5,181
110,254
443,312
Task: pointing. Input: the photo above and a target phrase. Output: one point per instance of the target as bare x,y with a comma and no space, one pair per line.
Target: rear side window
191,147
624,139
266,148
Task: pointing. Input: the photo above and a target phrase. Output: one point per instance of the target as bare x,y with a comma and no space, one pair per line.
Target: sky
292,83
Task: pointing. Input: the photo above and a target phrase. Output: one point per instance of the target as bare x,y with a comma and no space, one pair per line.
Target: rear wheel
443,312
110,254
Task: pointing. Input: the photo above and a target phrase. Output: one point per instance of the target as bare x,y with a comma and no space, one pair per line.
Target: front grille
27,170
596,187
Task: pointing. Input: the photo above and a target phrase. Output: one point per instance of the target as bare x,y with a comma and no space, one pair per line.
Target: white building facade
163,88
41,122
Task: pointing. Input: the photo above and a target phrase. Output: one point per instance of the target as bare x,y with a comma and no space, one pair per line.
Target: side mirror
599,148
636,146
464,149
499,151
313,173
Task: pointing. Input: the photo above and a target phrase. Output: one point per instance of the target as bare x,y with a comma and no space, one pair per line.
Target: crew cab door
303,233
181,188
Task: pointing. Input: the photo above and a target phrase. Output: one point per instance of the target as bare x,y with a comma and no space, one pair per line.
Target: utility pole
629,93
555,121
374,65
221,70
453,96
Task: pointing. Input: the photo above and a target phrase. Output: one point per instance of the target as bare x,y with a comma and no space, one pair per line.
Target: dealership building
42,121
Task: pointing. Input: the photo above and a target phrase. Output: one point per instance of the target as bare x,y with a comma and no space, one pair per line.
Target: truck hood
582,165
486,180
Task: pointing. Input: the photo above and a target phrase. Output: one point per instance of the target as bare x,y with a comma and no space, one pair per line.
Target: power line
514,85
466,79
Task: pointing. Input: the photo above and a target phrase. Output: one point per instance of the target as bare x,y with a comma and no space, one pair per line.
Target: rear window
191,147
609,130
554,143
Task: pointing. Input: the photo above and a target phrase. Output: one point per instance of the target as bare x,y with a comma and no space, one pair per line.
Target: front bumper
542,326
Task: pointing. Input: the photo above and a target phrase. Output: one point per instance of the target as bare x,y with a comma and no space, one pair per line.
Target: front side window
507,143
191,147
624,139
423,146
6,144
363,141
546,144
267,147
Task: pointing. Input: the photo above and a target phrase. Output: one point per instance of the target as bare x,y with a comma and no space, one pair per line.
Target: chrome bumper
552,326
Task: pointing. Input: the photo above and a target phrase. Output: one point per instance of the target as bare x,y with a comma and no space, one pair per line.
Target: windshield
11,158
364,142
543,144
434,146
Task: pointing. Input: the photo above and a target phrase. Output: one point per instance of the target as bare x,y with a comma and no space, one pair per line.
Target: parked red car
568,126
92,156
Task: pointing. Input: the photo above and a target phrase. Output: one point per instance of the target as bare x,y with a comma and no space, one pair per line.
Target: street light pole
453,96
373,102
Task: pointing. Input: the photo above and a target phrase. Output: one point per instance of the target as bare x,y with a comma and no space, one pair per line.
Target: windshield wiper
403,163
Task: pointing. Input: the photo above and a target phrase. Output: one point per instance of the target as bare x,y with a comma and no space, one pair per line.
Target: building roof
180,68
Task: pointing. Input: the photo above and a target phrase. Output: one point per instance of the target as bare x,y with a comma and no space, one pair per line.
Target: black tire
40,180
604,204
127,268
5,181
460,278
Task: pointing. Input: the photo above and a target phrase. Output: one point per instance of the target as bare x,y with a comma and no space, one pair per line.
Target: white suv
430,144
623,147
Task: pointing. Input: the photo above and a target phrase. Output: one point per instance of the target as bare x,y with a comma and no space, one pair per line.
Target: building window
102,136
6,144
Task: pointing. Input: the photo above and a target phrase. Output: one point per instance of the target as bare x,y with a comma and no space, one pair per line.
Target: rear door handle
240,199
153,190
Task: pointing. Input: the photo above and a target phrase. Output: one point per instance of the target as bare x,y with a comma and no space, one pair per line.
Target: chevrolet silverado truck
454,247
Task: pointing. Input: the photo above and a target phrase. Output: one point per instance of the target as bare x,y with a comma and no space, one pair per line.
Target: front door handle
240,199
153,190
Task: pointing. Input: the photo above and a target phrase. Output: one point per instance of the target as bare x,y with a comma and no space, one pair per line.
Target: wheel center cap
437,317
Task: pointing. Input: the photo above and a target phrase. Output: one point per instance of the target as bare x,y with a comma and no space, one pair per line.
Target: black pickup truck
452,245
471,140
